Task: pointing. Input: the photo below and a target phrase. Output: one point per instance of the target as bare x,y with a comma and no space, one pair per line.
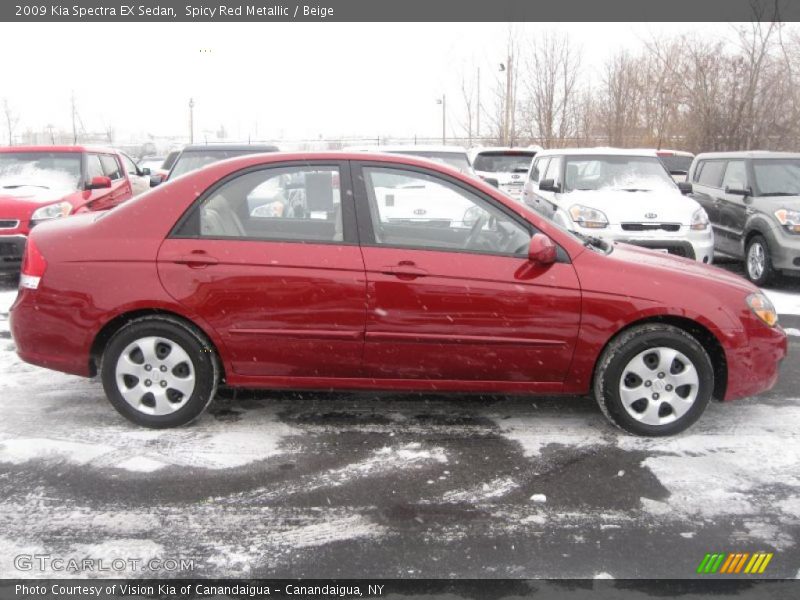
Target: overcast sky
271,81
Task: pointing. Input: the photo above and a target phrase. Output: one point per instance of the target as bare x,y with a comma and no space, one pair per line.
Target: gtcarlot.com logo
734,563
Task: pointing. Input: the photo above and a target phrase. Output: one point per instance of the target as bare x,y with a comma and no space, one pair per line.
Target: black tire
623,351
767,272
202,368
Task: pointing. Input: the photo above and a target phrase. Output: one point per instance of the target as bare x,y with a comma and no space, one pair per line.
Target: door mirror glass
98,182
144,172
548,185
542,250
685,187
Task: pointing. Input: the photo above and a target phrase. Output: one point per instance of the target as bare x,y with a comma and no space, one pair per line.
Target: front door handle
196,261
404,271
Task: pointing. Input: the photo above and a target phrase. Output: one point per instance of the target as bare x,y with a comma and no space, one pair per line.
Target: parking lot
364,485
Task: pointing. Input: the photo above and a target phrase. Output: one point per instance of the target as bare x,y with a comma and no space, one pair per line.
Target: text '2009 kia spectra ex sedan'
293,271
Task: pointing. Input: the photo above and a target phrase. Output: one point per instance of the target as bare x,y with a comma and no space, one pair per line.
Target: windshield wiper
14,186
633,190
592,241
781,194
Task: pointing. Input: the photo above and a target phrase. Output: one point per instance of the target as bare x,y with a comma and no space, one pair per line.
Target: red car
41,183
212,279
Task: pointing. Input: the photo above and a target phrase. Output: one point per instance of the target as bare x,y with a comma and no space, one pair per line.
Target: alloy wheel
756,260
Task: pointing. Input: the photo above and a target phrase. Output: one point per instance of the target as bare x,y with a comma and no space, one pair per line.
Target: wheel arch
706,338
108,330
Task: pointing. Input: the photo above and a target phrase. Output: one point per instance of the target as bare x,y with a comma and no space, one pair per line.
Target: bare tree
11,121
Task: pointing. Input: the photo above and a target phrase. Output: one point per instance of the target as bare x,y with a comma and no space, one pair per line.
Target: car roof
667,152
474,152
598,151
749,154
255,148
400,148
57,149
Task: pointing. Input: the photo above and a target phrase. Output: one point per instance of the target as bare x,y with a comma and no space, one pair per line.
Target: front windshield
777,177
503,163
676,163
47,170
617,173
191,161
457,160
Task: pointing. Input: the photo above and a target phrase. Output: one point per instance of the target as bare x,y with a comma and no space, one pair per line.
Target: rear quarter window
709,173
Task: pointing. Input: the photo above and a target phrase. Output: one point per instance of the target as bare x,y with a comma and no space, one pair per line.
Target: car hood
635,207
22,201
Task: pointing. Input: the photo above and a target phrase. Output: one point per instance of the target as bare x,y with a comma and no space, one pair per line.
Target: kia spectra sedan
194,285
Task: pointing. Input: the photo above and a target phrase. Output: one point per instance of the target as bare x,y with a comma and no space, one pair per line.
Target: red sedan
40,183
369,271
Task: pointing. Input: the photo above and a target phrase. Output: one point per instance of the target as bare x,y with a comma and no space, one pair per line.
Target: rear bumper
12,248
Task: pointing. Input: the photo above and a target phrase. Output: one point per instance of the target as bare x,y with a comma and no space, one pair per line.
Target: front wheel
758,262
159,372
654,380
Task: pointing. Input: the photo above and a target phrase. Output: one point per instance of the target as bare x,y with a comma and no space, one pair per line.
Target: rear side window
553,170
111,166
710,173
735,175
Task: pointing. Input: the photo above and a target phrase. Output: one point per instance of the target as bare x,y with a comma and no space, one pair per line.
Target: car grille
651,226
8,224
9,250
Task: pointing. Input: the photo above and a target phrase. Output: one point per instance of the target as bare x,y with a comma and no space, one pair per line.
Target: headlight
762,308
590,218
790,219
51,211
699,220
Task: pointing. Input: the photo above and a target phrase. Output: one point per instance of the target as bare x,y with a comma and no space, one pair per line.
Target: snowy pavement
347,485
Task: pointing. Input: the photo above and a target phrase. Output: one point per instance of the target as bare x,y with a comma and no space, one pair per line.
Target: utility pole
191,120
74,126
509,95
478,132
443,102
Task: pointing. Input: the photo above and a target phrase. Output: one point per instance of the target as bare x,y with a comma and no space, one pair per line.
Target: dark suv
753,202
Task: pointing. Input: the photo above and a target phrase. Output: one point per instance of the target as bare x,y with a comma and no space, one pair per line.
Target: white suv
619,195
505,168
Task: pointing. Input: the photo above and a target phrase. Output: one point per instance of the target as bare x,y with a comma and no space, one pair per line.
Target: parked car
153,163
198,156
506,168
677,162
41,183
454,156
139,176
198,291
619,195
753,202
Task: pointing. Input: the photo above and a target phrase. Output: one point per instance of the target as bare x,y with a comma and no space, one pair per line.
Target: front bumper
686,242
12,247
784,249
754,359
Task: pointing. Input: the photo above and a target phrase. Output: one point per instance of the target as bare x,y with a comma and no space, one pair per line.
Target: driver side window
416,210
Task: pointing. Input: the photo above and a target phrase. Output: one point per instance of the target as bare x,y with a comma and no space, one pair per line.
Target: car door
120,189
96,198
549,199
530,194
733,207
139,183
269,259
459,301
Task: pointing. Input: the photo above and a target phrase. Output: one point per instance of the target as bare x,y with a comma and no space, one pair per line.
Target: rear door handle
196,261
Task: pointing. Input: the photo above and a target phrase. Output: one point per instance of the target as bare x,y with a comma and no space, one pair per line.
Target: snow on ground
354,484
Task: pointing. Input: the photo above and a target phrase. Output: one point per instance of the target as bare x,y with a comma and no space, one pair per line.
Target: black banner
399,10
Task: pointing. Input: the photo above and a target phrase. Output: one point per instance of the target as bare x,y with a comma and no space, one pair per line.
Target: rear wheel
654,380
159,372
758,262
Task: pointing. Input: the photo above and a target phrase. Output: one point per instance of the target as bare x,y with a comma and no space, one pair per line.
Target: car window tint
93,166
290,204
735,175
539,165
711,173
416,210
553,170
110,166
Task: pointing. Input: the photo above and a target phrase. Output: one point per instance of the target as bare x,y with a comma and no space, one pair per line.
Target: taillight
33,266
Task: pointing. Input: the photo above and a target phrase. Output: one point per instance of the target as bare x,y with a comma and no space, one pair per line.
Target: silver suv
753,202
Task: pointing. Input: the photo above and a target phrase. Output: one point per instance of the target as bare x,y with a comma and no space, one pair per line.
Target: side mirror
156,180
548,185
99,182
738,191
685,187
492,181
144,171
542,250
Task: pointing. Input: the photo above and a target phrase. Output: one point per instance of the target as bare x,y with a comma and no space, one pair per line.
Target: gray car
753,202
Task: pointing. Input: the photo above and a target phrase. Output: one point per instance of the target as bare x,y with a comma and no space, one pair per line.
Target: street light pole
443,102
191,120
